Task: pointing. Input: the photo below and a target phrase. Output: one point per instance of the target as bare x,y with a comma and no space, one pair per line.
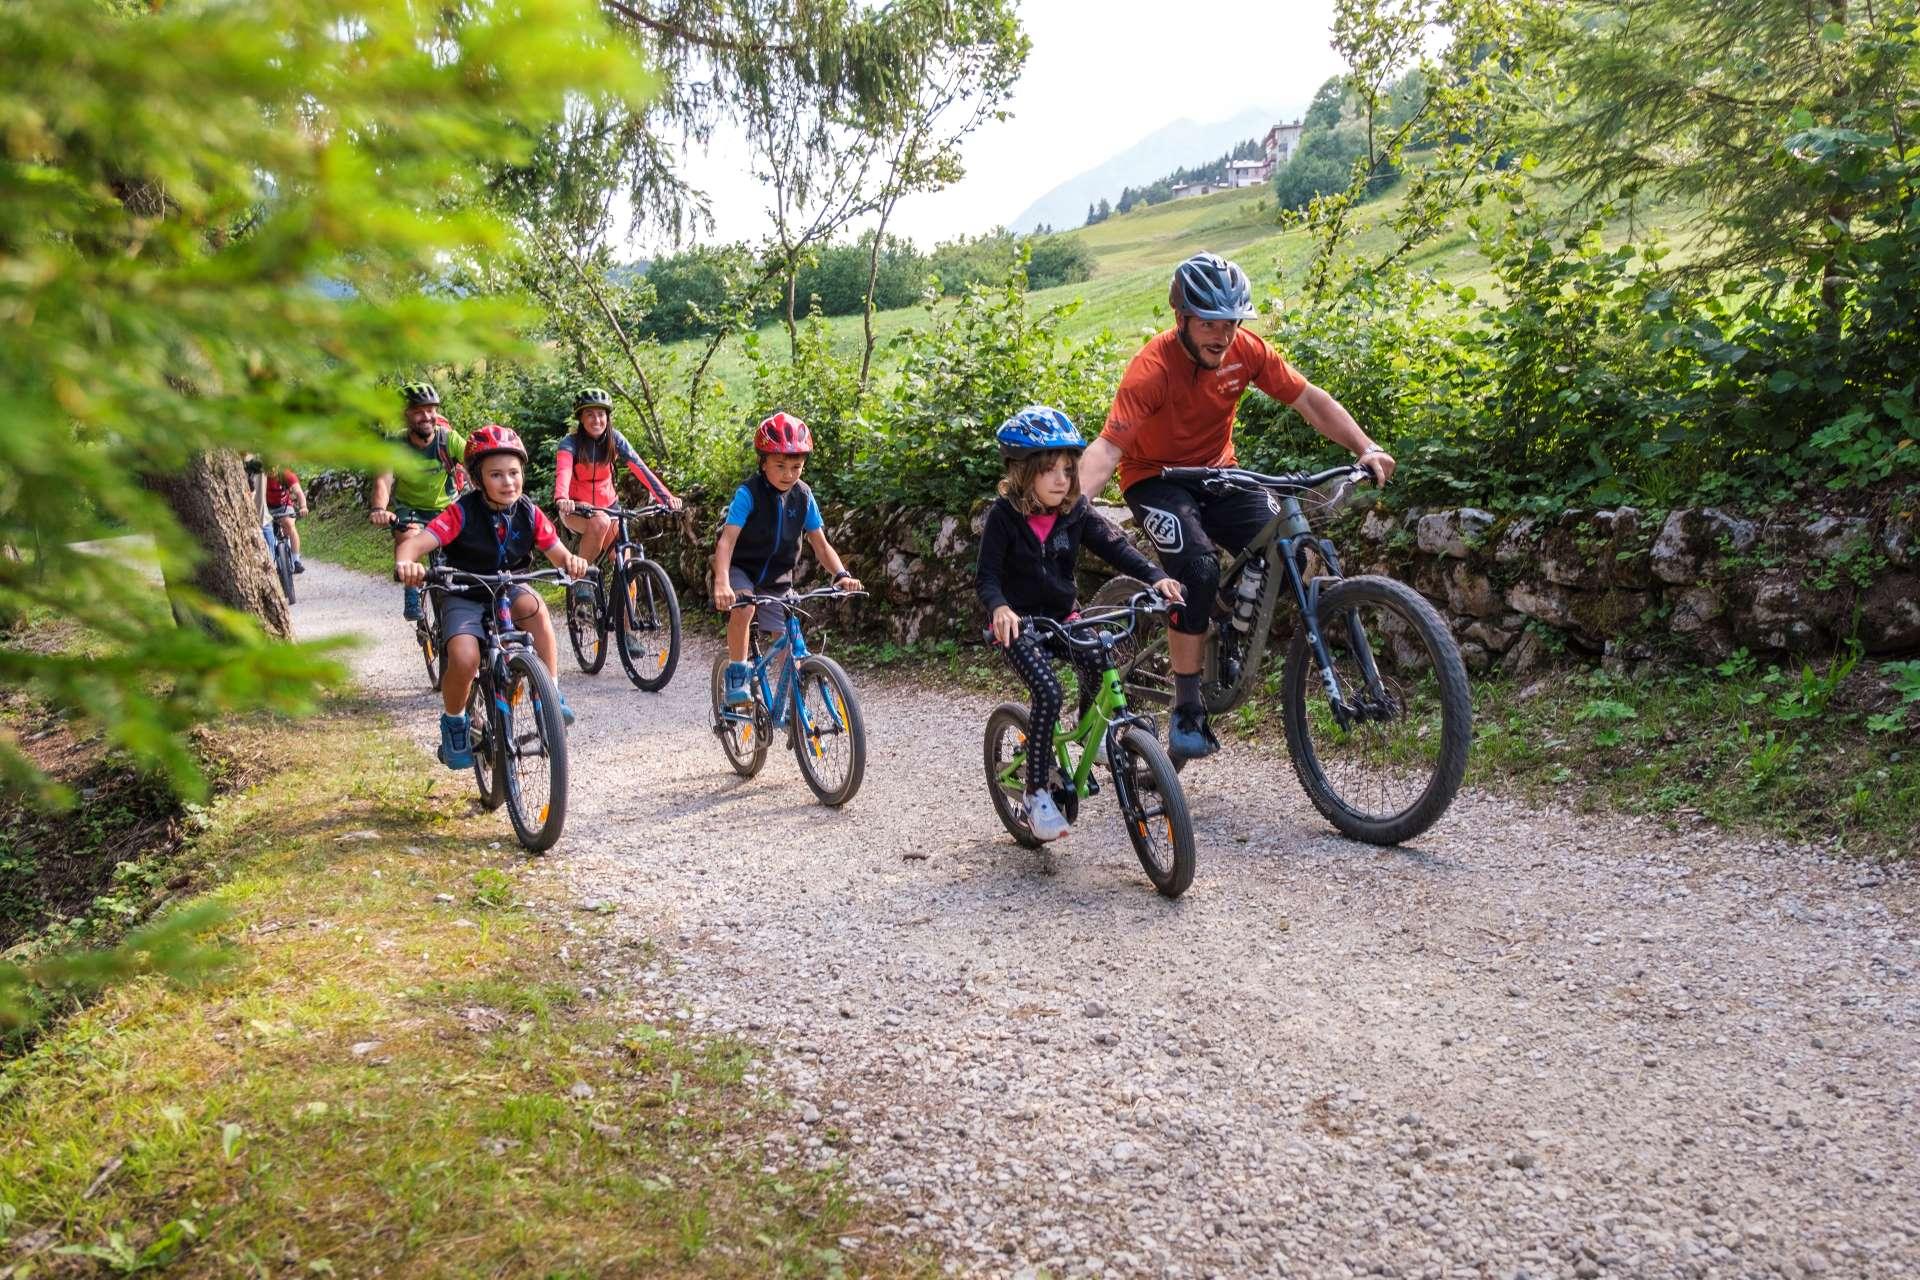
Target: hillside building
1280,143
1248,173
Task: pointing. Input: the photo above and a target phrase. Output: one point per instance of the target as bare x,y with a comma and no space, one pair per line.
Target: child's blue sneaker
738,674
412,610
456,744
566,712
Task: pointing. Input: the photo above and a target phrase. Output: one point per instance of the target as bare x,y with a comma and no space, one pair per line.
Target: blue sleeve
740,508
623,449
813,520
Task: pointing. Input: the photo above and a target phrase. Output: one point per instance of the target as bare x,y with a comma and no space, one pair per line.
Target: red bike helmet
783,433
493,439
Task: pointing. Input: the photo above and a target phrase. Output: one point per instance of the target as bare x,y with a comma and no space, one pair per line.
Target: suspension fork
1306,598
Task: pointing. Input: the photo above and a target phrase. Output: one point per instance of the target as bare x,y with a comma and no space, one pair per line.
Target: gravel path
1535,1044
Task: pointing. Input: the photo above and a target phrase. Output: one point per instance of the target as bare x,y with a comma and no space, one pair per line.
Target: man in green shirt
413,493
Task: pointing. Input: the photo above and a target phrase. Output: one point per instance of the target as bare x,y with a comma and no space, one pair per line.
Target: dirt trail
1532,1044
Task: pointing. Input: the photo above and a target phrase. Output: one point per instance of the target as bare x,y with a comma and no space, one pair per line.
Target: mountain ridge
1182,142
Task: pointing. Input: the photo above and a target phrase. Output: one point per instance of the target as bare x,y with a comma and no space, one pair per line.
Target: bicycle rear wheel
587,629
283,566
1391,769
829,735
745,729
488,771
1154,809
646,616
535,753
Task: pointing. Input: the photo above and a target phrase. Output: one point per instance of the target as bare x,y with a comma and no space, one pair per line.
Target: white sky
1102,74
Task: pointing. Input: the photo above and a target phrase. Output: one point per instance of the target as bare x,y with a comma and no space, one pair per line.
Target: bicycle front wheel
1154,809
829,736
283,566
587,629
646,616
536,754
743,729
489,773
427,636
1383,763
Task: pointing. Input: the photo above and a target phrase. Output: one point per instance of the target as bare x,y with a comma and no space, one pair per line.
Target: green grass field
1135,251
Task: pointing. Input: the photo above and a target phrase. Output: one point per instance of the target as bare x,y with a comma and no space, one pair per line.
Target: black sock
1186,689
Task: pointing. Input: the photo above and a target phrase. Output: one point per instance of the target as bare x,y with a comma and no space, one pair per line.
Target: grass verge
399,1073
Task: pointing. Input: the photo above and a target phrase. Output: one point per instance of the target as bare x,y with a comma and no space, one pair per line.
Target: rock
1694,539
1695,608
1543,602
1890,615
947,543
1496,635
1527,654
1519,542
1451,533
1897,542
1836,537
1586,1269
1377,527
809,1114
365,1047
1781,614
1094,1009
1522,1160
1473,593
581,1090
1475,657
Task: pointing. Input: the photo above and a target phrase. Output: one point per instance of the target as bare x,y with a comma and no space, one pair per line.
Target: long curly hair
1016,486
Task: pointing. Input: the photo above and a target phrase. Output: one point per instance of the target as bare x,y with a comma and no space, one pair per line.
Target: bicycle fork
1306,596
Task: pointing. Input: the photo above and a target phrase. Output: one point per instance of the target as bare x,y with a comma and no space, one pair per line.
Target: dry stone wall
1621,584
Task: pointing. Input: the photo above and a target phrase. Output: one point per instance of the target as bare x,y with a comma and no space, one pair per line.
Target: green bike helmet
419,393
592,398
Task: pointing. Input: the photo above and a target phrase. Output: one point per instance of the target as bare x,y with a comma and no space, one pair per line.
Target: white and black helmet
1208,286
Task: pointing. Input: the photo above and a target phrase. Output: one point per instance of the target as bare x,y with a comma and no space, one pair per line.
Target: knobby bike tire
1007,736
743,731
587,630
283,566
810,749
1301,685
426,634
483,735
1143,775
647,609
536,827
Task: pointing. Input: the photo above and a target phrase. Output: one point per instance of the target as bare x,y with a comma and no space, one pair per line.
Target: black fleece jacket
1016,571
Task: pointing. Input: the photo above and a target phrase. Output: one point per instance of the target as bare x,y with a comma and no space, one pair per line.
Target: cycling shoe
1190,737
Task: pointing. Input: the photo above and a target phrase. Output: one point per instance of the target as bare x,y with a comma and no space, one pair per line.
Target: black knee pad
1200,578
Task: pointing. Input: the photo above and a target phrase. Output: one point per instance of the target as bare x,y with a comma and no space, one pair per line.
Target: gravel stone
1452,979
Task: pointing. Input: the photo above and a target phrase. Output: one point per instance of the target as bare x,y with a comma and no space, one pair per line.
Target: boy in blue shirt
759,542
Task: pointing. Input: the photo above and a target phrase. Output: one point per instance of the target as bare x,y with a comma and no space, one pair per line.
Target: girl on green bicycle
1028,550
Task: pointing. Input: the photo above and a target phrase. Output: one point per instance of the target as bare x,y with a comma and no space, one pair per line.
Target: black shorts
1188,527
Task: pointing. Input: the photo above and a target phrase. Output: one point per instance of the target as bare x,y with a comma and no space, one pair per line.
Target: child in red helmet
495,528
760,540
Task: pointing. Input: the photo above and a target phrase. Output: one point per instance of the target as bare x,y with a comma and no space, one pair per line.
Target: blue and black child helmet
1208,286
1037,429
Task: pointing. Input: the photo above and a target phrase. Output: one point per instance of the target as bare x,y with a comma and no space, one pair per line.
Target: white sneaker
1043,817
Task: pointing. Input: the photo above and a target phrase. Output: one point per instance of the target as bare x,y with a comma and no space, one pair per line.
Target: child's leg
530,615
290,531
463,664
1034,667
738,623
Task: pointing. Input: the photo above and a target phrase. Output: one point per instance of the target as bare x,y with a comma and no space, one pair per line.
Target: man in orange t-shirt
1175,408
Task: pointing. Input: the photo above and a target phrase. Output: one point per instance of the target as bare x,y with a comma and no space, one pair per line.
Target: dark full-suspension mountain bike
281,548
635,601
1373,695
1152,805
807,694
513,714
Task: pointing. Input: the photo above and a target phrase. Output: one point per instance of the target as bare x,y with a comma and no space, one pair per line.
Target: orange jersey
1172,412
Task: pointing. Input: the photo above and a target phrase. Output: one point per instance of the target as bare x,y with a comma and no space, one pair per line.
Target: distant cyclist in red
1175,408
583,467
283,490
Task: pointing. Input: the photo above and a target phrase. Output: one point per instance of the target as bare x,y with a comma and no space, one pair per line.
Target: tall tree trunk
873,279
214,504
793,330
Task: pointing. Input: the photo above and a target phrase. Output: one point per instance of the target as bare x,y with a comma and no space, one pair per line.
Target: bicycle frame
784,704
1286,541
1106,715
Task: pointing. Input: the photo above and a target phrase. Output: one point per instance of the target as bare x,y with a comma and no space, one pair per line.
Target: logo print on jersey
1164,528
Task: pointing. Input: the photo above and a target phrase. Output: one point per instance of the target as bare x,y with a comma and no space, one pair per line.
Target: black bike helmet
1208,286
590,398
420,393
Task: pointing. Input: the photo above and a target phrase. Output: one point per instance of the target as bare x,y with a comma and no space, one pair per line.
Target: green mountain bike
1152,805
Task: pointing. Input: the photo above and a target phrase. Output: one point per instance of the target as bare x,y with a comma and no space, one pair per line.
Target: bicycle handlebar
618,512
443,577
1141,602
1350,471
791,600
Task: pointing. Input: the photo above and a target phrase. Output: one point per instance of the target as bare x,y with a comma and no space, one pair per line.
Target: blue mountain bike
805,694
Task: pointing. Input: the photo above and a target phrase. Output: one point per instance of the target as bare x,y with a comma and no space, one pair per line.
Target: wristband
1368,452
844,573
